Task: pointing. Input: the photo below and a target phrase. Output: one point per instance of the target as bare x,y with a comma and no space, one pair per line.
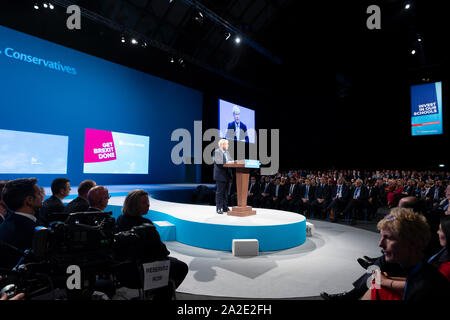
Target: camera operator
23,198
136,205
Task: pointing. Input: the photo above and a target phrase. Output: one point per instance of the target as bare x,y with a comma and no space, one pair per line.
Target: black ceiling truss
154,43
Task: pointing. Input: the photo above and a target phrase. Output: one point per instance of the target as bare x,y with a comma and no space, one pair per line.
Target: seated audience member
253,191
442,259
306,198
393,269
3,208
424,283
381,192
358,201
437,193
410,188
231,194
60,189
373,202
394,193
136,205
264,193
339,199
98,198
322,198
81,203
22,197
276,195
292,196
443,207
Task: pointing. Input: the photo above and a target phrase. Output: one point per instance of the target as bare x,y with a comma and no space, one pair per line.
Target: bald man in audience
98,198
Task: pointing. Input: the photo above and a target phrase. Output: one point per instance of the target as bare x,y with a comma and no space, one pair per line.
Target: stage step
245,247
166,230
310,229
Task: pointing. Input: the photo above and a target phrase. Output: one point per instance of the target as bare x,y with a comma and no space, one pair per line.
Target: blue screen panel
426,109
51,89
114,152
28,152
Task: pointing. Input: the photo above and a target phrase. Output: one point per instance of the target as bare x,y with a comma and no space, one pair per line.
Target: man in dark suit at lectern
222,175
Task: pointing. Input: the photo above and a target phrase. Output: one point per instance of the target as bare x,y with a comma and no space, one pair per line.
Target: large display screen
114,152
236,122
29,152
426,109
48,88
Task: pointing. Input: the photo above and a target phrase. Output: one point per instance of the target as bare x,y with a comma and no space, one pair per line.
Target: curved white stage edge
201,226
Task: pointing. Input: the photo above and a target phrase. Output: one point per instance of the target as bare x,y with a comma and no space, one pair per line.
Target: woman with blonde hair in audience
404,236
135,206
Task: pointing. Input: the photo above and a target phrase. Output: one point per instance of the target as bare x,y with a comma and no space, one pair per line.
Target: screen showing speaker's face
236,122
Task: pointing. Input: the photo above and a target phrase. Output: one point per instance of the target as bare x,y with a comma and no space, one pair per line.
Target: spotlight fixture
172,60
144,44
441,165
419,39
199,17
122,39
237,40
407,6
51,6
413,52
45,5
36,6
227,35
134,41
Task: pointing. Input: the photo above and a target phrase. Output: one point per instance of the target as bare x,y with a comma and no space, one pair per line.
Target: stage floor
324,262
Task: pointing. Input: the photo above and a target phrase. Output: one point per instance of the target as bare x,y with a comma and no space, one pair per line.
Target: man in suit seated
360,194
98,198
436,193
322,198
22,197
232,193
292,196
262,197
236,129
275,195
253,191
306,198
60,189
339,199
80,203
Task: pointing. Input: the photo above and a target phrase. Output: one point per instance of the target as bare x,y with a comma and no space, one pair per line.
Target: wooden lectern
242,176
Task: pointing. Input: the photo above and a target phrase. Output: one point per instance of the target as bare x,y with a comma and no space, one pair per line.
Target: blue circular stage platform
201,226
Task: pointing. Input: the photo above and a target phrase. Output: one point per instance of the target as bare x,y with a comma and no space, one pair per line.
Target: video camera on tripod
87,240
